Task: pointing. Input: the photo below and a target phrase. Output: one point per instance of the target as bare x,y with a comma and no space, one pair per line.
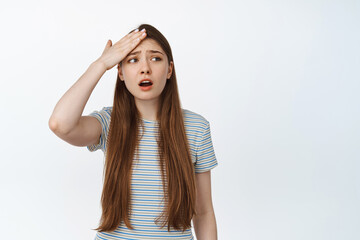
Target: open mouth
145,83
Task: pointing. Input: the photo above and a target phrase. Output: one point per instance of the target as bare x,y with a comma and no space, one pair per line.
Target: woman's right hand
114,54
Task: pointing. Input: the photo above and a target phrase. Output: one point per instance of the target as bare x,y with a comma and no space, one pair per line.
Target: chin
146,96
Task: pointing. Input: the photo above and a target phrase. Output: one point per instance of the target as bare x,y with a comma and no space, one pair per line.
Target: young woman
158,156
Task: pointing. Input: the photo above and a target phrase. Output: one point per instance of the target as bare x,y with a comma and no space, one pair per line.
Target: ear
171,66
121,76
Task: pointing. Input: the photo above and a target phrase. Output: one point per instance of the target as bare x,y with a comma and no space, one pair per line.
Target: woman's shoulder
104,112
194,119
107,109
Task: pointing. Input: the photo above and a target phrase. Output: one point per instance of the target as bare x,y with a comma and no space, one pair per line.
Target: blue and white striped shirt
146,183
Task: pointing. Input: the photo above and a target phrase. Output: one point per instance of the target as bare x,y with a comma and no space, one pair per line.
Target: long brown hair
175,160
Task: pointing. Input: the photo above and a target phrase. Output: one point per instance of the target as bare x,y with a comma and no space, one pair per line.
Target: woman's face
146,61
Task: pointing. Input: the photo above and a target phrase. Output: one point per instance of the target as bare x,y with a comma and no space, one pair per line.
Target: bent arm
67,121
204,222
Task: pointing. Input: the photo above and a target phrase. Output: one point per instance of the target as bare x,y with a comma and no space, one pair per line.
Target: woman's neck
147,108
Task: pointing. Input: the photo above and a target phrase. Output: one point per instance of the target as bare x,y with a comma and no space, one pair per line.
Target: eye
158,59
131,60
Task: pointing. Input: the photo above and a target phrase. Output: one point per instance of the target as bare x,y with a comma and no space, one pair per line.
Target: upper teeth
145,81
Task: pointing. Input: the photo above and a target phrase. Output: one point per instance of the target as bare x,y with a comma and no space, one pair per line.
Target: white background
278,81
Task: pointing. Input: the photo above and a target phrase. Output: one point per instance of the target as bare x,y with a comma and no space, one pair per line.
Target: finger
108,44
128,37
134,42
140,34
135,30
137,38
140,38
134,35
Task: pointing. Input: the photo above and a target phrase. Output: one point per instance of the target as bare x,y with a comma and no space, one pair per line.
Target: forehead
148,44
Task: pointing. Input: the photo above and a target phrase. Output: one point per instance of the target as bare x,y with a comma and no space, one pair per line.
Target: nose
145,67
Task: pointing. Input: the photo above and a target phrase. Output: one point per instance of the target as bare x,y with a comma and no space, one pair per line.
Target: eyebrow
152,51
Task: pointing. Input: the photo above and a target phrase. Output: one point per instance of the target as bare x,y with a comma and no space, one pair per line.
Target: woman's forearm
205,226
69,108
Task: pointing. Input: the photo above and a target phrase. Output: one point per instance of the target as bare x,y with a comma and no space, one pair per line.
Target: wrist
100,65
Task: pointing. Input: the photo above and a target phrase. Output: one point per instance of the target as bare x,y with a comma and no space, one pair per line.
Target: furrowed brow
152,51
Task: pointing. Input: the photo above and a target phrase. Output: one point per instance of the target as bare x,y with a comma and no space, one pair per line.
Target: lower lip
147,88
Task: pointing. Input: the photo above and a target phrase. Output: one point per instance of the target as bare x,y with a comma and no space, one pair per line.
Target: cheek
128,73
162,70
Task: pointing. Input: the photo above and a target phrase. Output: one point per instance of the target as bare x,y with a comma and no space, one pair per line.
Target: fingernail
143,34
143,30
136,30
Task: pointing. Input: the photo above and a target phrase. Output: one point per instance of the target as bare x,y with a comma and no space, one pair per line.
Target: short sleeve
103,116
205,155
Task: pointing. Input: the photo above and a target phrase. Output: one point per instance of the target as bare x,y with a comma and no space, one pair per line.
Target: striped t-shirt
146,182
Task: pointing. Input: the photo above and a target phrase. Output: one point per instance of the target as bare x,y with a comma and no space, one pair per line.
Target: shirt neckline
149,121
